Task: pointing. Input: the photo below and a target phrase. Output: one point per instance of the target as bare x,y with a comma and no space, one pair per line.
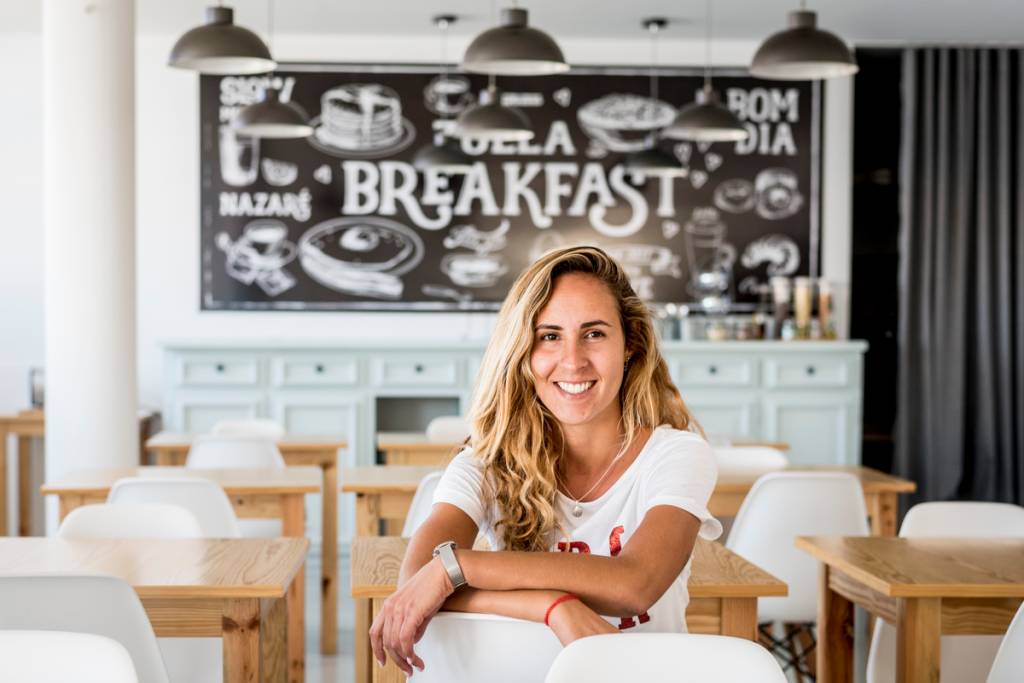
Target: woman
580,444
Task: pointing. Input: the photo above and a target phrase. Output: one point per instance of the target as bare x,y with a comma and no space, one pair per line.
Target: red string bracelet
565,598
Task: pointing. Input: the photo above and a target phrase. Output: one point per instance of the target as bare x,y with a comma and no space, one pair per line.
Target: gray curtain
960,425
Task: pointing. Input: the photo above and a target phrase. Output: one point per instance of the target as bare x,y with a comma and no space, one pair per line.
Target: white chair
748,461
205,499
422,502
448,429
270,429
484,652
964,658
100,605
779,507
145,520
1008,666
664,658
233,452
59,656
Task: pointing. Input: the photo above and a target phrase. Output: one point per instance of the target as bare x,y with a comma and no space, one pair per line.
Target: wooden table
322,451
880,492
28,425
723,587
242,590
924,587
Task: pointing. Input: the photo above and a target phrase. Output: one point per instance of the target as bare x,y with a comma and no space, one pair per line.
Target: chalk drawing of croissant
780,253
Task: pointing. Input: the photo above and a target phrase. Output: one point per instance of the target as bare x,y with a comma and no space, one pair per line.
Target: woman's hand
405,615
572,620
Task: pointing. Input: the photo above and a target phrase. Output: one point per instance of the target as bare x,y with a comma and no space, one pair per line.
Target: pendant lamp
803,52
220,47
492,122
271,118
706,119
654,161
443,155
514,49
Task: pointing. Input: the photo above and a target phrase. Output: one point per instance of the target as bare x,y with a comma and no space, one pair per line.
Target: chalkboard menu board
342,220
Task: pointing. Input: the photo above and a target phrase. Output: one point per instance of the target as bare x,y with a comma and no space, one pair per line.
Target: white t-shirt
674,468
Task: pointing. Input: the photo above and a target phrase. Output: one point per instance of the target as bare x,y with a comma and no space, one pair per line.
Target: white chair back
664,658
205,499
749,461
270,429
100,605
1008,666
448,429
227,452
57,656
483,652
145,520
781,506
422,502
964,658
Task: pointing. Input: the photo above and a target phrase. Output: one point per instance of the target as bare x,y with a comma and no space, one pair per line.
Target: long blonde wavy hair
517,438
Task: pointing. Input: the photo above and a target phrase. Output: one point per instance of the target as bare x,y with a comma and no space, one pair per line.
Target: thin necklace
577,509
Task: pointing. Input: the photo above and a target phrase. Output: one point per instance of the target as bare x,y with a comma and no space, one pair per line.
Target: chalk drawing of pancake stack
361,120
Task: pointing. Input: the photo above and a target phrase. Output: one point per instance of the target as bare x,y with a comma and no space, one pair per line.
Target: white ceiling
858,21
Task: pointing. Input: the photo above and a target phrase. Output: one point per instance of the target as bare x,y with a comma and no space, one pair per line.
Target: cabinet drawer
218,371
807,371
314,371
714,372
407,372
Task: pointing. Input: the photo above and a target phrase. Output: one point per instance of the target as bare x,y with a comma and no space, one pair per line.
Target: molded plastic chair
205,499
749,461
100,605
422,502
58,656
483,652
781,506
664,658
448,429
1008,666
964,658
226,452
270,429
145,520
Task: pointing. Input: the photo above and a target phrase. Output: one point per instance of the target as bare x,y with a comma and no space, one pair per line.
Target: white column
89,209
837,193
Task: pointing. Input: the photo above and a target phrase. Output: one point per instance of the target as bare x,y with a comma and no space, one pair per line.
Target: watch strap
446,551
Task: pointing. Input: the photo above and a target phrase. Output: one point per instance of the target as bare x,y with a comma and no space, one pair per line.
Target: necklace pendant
577,511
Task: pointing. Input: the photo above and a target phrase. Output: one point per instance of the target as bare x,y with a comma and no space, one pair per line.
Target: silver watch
446,551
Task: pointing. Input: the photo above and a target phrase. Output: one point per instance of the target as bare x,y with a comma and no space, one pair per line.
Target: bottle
802,288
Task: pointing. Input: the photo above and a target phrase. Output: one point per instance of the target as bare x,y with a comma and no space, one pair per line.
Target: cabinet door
820,427
731,414
197,412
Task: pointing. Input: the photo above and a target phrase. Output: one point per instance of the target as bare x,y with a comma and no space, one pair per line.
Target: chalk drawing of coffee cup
259,255
474,270
735,196
448,95
778,194
239,157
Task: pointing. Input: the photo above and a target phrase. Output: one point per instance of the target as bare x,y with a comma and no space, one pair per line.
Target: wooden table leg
329,559
364,655
390,673
367,514
835,633
739,618
293,524
918,632
255,634
3,482
882,508
24,485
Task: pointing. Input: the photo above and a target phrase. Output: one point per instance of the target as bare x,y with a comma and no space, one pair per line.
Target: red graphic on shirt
578,547
615,547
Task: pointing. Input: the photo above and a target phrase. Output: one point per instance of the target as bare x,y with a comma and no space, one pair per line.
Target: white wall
168,201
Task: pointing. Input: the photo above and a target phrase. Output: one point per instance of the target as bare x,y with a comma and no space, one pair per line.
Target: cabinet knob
712,369
419,368
219,367
319,369
810,370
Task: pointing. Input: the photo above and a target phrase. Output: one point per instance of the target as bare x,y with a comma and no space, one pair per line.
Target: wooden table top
411,441
383,478
194,567
926,567
871,480
233,481
27,422
166,439
716,571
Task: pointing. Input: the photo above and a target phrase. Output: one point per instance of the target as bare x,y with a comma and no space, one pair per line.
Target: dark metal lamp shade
220,47
654,162
514,49
272,118
803,52
445,156
490,121
706,120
